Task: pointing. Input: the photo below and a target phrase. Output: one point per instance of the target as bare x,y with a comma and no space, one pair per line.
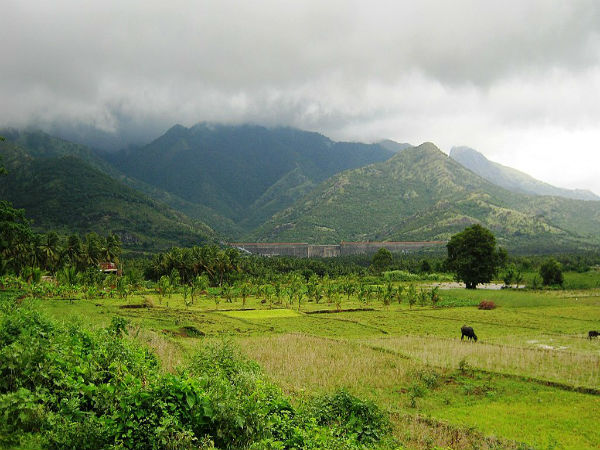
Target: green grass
525,378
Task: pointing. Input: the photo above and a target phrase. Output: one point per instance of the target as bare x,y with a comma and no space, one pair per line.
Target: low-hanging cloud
487,74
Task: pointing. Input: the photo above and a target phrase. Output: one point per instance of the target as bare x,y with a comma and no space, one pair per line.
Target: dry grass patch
300,362
576,369
169,353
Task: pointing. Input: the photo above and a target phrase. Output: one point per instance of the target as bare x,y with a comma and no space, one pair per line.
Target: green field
531,381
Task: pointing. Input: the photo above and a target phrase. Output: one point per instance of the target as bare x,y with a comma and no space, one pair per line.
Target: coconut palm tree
92,250
112,248
73,250
49,251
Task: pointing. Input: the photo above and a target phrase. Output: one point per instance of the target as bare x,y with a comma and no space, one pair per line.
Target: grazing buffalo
468,332
593,334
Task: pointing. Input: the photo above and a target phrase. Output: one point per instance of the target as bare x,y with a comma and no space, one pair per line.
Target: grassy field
531,381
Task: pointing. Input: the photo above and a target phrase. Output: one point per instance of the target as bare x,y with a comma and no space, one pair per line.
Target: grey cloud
465,71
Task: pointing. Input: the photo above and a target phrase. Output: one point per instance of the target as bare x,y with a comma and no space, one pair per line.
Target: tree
551,272
49,250
473,256
411,295
381,260
72,253
16,237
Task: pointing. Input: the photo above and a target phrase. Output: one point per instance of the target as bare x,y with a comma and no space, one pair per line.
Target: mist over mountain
394,146
513,179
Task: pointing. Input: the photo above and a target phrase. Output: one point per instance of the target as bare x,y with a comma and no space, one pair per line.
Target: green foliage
71,388
381,260
415,391
403,275
473,256
551,273
351,417
183,265
411,295
67,188
426,266
26,253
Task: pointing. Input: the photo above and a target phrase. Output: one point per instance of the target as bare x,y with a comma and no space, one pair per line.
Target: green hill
244,173
40,145
420,194
61,191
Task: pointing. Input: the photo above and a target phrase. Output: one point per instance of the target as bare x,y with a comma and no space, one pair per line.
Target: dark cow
593,334
468,332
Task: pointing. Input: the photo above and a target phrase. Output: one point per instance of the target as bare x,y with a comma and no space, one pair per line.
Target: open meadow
532,380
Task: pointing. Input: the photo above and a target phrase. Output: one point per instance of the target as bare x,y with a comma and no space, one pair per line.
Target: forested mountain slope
245,173
422,194
62,187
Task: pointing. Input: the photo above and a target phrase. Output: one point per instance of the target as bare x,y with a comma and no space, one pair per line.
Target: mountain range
243,173
212,182
512,179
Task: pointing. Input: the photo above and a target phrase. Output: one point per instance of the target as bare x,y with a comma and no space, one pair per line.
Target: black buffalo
468,332
593,334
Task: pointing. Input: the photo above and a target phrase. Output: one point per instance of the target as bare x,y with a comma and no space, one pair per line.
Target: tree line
21,249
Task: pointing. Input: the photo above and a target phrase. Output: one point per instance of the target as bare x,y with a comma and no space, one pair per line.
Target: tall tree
473,256
551,272
92,249
112,248
73,250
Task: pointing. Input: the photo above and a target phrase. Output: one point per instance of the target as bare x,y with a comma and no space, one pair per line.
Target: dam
305,250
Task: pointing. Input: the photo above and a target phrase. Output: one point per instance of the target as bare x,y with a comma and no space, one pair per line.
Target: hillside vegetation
245,173
62,191
421,194
280,184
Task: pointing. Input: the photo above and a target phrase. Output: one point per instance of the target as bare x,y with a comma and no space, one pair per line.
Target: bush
486,304
350,416
400,275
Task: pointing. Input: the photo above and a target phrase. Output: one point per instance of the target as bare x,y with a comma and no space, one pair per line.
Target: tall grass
576,369
306,363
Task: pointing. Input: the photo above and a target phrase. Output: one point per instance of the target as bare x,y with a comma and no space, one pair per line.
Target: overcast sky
517,80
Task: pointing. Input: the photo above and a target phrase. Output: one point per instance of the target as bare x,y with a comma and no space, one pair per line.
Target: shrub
350,416
400,275
486,304
415,391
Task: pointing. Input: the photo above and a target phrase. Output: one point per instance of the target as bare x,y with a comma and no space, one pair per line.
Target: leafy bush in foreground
64,387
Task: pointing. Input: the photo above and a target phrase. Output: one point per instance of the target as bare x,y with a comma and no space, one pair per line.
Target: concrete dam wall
305,250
